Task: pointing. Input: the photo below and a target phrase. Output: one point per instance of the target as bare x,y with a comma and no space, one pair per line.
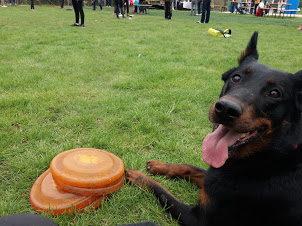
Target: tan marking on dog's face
212,113
271,80
248,70
248,121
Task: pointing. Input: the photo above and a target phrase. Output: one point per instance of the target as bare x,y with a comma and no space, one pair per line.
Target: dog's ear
251,49
298,82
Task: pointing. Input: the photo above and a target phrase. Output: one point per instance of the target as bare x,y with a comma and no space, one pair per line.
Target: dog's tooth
243,135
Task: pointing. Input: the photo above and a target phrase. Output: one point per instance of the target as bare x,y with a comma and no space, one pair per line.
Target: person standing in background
2,4
119,5
108,3
127,7
256,5
12,2
78,9
168,9
252,7
32,5
206,9
62,4
193,7
100,4
199,2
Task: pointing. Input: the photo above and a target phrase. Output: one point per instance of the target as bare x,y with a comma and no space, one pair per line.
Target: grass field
138,88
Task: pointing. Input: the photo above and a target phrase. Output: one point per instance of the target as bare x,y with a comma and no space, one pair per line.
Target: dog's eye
274,94
236,78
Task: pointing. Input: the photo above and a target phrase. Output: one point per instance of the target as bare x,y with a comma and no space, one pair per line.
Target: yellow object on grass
220,33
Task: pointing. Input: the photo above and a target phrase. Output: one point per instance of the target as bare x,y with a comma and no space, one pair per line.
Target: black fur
260,184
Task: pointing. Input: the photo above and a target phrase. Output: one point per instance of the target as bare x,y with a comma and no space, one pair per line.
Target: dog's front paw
159,168
136,177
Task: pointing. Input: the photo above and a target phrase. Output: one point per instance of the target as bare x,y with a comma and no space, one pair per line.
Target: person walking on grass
78,9
206,9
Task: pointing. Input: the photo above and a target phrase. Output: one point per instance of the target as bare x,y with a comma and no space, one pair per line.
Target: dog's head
257,105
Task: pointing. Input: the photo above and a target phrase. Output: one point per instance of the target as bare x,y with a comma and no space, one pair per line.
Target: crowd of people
257,7
202,7
198,7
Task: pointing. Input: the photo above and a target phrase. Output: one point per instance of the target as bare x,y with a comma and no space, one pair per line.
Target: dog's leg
178,210
183,171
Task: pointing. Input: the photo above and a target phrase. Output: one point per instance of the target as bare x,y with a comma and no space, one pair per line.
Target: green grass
138,88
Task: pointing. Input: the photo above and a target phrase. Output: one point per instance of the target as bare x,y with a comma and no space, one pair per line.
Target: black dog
254,153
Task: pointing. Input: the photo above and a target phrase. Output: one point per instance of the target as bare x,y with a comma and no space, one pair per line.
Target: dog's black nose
227,110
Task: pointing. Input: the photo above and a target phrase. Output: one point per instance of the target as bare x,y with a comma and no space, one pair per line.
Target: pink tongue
215,146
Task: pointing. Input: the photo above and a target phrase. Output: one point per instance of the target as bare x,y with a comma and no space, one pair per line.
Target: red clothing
259,12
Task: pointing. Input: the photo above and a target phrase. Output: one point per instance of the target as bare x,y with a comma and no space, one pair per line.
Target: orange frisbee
110,188
87,168
46,196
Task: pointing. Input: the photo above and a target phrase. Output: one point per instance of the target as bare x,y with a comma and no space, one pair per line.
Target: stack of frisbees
76,180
